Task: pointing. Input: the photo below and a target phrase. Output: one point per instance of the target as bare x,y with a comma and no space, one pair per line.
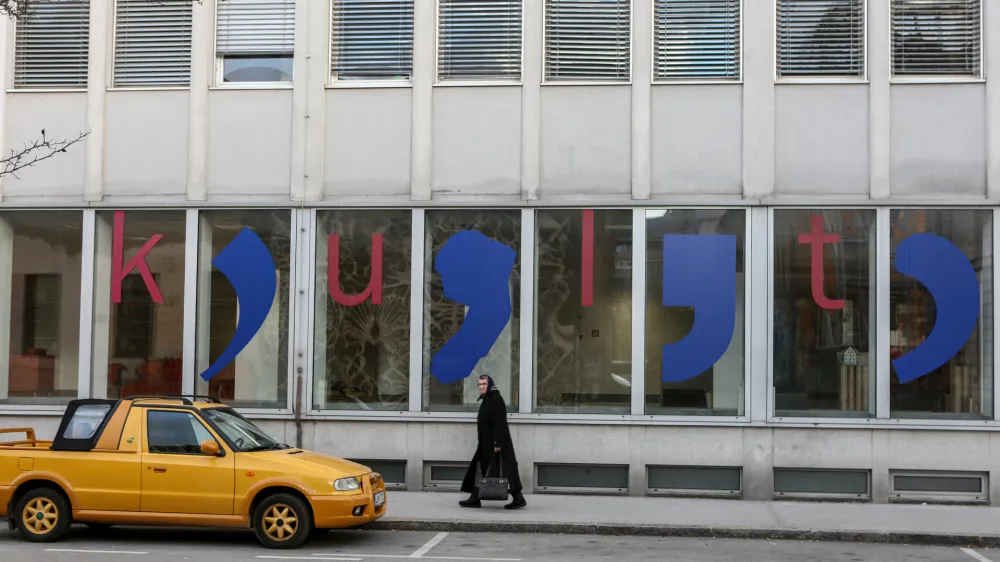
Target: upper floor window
153,43
937,38
588,40
479,39
255,40
697,40
52,45
821,38
372,39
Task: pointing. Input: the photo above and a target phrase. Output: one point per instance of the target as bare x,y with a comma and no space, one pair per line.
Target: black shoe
518,502
472,501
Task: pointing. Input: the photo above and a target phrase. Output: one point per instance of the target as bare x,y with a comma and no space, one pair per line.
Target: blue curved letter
699,270
475,271
949,277
246,262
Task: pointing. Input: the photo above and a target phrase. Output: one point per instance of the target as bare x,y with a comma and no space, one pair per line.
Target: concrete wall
742,141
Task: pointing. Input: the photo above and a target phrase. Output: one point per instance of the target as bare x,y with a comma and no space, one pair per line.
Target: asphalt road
173,545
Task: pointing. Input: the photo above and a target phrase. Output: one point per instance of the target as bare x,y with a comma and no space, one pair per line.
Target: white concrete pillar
202,73
6,279
101,332
531,101
879,106
424,74
758,99
642,103
101,14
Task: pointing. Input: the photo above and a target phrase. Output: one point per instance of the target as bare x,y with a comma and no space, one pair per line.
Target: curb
612,529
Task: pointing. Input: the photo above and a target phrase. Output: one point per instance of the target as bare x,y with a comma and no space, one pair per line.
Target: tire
278,515
43,515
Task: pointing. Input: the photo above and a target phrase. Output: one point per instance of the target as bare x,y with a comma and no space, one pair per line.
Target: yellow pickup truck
177,461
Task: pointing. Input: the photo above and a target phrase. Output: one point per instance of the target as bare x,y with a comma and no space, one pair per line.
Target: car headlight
346,484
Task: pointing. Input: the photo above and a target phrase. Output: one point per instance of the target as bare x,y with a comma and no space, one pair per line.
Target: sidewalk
970,526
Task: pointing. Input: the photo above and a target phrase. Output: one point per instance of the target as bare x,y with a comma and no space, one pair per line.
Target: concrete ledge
538,527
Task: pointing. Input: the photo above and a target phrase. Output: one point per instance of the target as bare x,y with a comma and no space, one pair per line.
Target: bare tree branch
42,148
19,9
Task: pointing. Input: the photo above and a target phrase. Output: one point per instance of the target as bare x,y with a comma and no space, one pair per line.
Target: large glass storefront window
258,376
138,303
472,288
583,311
695,307
40,258
824,312
941,314
361,347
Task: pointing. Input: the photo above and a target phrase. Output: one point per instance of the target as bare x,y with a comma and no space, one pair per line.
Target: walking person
495,447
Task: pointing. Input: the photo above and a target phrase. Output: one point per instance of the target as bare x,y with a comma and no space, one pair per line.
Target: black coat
493,431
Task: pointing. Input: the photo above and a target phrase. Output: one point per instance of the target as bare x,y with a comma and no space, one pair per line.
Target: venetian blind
697,39
821,38
255,27
588,40
51,47
479,39
153,42
372,39
936,37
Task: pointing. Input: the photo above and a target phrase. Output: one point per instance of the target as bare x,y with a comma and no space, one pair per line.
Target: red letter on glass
374,288
816,239
118,272
587,260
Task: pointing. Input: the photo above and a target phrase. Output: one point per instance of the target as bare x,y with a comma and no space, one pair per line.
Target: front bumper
339,512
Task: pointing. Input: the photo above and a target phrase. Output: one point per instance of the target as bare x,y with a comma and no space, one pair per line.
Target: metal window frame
897,496
579,490
866,497
218,73
428,484
807,80
980,76
694,492
740,43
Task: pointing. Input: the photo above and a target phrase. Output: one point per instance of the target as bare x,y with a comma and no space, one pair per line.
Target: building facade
720,248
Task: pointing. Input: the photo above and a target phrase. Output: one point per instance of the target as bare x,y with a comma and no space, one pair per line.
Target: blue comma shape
949,277
699,270
247,264
475,271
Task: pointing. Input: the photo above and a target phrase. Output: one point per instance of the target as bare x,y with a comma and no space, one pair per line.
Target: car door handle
159,469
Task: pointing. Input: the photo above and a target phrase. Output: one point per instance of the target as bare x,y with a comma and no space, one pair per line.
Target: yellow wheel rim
40,516
280,522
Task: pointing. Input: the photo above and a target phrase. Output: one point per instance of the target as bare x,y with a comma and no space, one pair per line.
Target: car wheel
282,521
43,515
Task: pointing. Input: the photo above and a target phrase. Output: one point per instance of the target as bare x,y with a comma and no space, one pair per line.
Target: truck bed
29,442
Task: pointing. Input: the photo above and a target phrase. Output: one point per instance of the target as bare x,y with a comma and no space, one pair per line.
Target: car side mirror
210,447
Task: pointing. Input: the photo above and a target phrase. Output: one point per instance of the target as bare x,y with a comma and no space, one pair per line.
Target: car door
176,476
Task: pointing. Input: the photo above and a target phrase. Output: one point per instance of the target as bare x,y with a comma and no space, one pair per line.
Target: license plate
379,499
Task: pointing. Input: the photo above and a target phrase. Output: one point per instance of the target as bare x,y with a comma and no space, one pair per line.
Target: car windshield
240,431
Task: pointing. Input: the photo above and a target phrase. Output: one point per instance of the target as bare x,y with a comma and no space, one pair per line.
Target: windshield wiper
263,448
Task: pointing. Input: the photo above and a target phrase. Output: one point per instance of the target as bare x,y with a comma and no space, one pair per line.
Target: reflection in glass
824,337
42,288
276,68
583,319
139,340
720,389
258,377
361,352
962,388
443,317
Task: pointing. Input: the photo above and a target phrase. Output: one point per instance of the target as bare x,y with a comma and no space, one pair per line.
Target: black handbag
493,488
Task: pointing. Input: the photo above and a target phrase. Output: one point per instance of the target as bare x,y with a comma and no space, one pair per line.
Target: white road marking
85,551
305,558
369,555
975,555
420,552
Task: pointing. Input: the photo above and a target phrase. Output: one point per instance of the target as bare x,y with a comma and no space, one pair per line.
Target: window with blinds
821,38
697,40
153,43
588,40
256,39
937,37
372,39
479,39
52,45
